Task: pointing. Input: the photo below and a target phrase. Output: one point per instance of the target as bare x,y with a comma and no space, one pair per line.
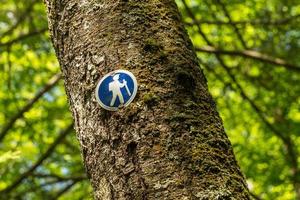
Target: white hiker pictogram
115,87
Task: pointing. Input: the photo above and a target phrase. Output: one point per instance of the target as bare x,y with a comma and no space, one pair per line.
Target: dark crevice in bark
131,149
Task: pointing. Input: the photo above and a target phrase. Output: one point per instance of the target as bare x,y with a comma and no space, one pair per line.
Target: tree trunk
169,143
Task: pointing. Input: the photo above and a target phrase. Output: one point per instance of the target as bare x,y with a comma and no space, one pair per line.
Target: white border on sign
131,97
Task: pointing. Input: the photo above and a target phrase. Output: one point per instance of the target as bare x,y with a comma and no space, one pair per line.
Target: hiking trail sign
116,89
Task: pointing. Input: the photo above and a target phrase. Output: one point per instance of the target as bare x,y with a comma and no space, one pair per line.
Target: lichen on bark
170,142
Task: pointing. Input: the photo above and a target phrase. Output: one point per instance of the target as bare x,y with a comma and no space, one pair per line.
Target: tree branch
64,190
20,19
237,31
250,54
253,22
254,196
49,151
51,83
58,177
56,180
24,36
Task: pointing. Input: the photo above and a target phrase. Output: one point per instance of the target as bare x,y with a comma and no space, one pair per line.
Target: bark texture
169,143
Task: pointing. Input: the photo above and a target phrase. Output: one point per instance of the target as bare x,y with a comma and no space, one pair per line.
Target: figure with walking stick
115,88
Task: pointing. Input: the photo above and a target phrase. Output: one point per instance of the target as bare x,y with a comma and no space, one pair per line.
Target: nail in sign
116,89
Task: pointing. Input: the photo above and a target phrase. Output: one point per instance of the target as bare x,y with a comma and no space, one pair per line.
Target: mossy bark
169,143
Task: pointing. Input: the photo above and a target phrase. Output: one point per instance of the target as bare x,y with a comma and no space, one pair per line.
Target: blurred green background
249,51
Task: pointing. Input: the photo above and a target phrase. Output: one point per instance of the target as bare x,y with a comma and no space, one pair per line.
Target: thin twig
58,177
51,83
24,36
48,183
44,156
235,28
64,190
250,54
254,22
20,19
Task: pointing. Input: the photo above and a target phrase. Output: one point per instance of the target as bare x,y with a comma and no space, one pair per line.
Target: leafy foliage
248,51
258,99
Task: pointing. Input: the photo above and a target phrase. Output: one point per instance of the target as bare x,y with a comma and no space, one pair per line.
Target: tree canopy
249,53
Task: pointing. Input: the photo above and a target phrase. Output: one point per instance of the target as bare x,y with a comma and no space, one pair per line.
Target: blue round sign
116,89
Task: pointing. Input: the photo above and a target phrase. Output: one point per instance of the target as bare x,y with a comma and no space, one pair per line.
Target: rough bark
169,143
